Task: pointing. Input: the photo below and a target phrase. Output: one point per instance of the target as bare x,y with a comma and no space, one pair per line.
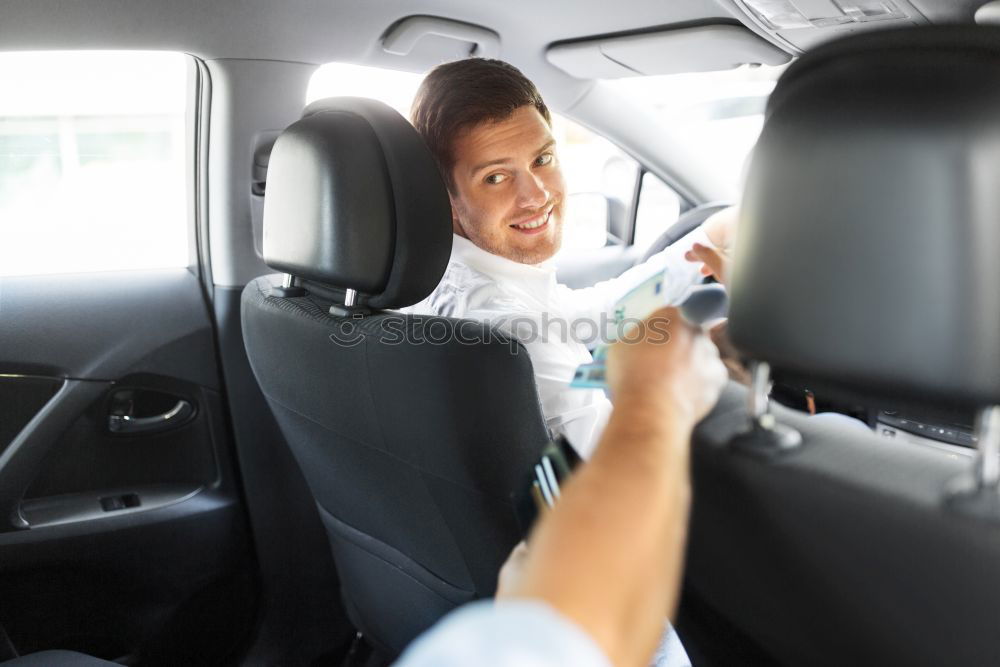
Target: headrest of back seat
869,244
355,200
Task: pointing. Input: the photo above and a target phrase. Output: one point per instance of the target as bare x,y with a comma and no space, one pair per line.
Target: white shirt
552,321
505,634
519,633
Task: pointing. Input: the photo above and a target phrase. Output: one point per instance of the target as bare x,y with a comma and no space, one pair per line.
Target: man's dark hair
459,95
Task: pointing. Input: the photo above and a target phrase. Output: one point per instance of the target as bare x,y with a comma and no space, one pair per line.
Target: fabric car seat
415,433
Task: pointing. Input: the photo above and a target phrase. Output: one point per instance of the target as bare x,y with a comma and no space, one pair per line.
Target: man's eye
495,179
544,159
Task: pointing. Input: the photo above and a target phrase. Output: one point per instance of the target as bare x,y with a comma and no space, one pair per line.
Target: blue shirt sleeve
518,633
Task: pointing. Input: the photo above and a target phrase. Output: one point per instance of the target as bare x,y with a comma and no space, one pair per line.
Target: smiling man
508,188
490,132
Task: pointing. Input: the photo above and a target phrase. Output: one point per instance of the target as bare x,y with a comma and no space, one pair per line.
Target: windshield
715,114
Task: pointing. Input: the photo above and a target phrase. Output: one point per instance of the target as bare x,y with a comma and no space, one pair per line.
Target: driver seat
413,432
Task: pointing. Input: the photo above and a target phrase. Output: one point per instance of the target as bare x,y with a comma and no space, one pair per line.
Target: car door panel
122,532
104,326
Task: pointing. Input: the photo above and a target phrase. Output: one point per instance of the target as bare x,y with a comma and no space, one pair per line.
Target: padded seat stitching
504,499
359,545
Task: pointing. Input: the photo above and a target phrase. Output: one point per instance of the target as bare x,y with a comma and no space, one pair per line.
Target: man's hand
714,262
721,231
720,227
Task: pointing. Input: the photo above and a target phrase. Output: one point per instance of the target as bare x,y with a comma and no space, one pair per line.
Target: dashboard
915,429
946,429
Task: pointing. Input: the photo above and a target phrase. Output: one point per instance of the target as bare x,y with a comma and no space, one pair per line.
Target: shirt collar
466,252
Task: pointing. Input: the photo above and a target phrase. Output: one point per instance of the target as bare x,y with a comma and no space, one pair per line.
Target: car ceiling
320,31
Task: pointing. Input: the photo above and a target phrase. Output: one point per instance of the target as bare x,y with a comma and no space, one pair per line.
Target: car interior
222,442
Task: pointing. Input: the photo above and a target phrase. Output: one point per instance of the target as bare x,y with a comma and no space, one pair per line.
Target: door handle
175,416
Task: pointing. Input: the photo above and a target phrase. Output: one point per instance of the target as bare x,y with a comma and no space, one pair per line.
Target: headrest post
289,287
978,493
988,455
350,307
765,438
760,389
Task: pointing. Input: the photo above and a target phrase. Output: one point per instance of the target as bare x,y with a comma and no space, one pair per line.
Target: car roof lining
313,32
322,31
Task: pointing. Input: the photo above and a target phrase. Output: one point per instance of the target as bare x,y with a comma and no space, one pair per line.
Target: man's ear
456,225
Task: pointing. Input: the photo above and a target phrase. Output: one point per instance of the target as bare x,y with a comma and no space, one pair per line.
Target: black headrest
870,232
355,200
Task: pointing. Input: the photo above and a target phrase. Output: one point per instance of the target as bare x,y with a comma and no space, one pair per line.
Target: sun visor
697,49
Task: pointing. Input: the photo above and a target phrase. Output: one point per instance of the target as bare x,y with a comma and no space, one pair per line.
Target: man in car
489,130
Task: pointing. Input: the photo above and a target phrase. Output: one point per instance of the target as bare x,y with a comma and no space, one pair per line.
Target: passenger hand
669,362
512,570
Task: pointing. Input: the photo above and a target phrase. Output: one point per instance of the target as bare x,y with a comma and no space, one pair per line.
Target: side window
600,185
397,89
659,207
93,162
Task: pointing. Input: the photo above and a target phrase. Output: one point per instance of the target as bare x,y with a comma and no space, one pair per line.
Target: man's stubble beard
536,256
513,253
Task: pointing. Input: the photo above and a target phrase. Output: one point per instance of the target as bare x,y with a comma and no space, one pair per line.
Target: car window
717,114
92,162
600,184
600,177
659,207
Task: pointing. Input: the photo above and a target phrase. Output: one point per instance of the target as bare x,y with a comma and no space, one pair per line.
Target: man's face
508,189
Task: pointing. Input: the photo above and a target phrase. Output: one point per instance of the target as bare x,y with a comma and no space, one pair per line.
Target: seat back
411,448
413,432
865,269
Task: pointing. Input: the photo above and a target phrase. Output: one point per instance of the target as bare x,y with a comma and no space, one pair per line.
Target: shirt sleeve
591,302
551,343
519,633
579,414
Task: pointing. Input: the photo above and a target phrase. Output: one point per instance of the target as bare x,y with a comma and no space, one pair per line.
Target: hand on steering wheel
686,223
715,262
721,217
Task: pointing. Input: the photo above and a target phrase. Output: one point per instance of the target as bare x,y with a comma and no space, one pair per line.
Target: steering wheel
688,222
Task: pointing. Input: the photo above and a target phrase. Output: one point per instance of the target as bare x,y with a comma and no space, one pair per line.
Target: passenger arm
609,557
